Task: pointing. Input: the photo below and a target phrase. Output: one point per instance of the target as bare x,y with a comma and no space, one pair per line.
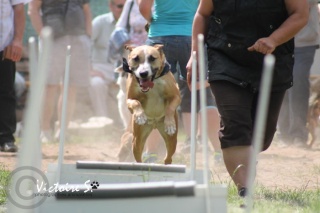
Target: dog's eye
136,59
151,58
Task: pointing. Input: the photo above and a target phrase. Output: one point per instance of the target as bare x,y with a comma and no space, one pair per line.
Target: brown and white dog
314,109
152,98
121,96
313,118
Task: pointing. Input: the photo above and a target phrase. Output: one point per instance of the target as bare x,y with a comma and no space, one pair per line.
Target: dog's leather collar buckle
125,66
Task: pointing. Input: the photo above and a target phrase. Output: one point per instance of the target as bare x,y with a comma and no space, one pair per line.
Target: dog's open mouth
145,84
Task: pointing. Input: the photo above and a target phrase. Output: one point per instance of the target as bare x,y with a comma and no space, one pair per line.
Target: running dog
121,96
152,97
313,118
314,109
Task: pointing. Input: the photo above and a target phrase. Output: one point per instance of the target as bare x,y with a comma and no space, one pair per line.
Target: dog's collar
166,68
125,66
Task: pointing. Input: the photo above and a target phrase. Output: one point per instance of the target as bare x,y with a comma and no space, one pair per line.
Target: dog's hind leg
125,153
312,127
140,135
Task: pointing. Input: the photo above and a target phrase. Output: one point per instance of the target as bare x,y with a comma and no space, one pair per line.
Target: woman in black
238,35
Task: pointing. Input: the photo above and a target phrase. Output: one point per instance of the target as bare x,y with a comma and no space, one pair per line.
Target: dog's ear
158,47
119,69
129,47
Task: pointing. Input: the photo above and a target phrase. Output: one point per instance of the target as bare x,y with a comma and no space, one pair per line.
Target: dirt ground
279,167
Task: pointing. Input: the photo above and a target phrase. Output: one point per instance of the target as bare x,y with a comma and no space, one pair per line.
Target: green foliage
4,181
99,7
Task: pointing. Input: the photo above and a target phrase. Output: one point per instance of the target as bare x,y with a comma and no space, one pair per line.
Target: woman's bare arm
35,17
298,11
145,7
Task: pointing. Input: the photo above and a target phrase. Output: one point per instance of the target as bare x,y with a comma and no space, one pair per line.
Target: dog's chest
154,102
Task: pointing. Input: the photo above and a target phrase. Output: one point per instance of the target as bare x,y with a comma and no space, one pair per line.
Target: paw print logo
94,184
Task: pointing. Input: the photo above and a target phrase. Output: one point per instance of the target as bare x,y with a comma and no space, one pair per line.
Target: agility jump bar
130,166
131,190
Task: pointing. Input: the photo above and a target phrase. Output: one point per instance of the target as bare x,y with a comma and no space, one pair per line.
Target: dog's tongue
146,83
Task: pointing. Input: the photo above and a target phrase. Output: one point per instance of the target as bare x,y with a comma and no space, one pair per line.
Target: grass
316,169
277,200
4,181
273,200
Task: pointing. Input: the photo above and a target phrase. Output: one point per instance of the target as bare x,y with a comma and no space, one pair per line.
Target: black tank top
236,25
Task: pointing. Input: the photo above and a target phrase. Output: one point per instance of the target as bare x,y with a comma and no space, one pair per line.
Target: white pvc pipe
130,166
204,124
30,136
193,116
33,70
32,60
260,123
64,112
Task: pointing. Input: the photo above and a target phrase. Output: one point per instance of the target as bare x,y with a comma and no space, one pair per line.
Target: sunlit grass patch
4,181
277,200
316,169
298,199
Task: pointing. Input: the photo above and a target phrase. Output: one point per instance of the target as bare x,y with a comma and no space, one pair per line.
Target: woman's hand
189,72
263,45
189,76
13,51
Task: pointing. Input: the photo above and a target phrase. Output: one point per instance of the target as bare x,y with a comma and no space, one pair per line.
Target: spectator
12,18
129,30
293,117
132,20
71,24
102,72
236,49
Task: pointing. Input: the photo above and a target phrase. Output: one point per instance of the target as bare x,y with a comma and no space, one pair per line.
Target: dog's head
146,63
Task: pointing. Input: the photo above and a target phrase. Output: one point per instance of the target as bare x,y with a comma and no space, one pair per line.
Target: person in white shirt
12,24
102,71
71,25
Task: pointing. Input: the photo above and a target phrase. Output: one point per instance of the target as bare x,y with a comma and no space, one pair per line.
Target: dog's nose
144,74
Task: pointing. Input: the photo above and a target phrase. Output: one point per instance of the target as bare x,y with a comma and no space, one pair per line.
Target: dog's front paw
140,119
170,126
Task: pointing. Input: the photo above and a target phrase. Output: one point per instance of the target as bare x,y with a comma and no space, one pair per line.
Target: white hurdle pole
33,60
30,136
194,116
64,112
260,123
33,71
204,124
